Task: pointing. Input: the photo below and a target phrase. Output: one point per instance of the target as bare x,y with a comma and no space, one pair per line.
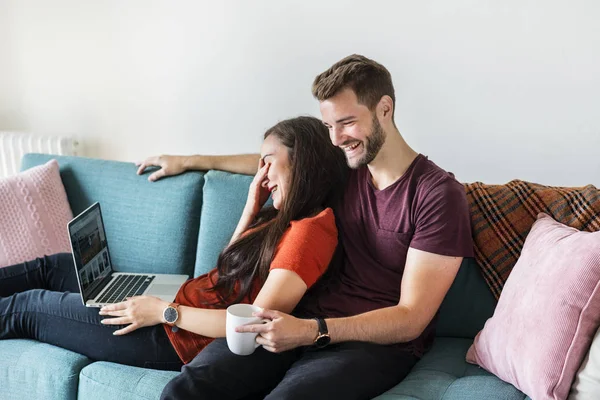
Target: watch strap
322,326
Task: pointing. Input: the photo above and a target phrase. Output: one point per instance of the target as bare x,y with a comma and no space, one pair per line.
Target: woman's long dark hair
318,173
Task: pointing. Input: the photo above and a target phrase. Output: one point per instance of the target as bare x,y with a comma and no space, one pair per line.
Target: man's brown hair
369,80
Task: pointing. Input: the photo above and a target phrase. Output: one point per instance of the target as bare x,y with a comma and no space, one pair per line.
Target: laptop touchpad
159,288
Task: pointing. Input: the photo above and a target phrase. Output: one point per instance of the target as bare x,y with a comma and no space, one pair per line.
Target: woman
274,256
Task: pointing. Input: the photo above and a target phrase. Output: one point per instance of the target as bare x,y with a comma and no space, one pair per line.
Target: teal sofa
179,225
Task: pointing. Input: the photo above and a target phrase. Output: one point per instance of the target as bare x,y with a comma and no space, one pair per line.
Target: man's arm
175,165
425,282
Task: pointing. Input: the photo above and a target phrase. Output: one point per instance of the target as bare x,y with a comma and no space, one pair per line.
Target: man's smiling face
352,127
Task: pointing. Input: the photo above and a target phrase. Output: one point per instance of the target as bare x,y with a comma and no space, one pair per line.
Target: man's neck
392,161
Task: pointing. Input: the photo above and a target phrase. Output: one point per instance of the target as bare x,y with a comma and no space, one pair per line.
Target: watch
171,314
323,337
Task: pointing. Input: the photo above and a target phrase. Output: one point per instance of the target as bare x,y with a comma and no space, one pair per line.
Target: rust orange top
306,248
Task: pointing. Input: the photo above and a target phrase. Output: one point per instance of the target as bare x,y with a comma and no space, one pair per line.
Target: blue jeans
40,300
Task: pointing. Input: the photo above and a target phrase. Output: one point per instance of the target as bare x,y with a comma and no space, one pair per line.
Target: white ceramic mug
242,344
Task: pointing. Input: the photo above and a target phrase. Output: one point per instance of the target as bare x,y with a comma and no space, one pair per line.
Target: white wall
491,90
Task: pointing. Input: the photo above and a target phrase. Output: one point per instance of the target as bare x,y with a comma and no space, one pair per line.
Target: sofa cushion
443,374
468,304
34,370
104,380
224,199
150,226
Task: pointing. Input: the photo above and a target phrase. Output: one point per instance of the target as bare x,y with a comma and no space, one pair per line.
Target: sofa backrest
224,197
151,227
181,224
468,304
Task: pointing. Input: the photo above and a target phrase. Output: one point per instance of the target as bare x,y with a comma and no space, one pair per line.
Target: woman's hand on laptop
136,312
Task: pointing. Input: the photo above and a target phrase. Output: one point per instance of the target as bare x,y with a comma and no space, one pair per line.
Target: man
405,229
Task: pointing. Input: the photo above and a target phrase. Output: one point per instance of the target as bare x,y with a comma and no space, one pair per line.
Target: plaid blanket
502,216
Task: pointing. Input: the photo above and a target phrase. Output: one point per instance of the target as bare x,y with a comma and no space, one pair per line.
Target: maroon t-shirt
425,209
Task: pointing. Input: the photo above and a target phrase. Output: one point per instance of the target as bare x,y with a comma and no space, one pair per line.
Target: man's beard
372,144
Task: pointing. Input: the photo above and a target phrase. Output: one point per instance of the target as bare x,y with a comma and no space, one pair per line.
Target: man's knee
205,377
170,390
181,388
194,382
216,373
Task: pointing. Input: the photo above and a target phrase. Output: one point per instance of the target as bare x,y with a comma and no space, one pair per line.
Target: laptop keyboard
125,286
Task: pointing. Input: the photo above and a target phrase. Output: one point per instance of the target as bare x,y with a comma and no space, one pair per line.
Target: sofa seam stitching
103,384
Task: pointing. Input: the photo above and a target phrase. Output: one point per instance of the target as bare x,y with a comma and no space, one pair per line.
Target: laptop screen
90,250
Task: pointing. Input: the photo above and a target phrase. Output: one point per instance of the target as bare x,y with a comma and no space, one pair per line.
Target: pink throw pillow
547,313
34,213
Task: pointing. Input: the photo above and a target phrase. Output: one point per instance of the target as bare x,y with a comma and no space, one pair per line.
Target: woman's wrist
162,306
248,214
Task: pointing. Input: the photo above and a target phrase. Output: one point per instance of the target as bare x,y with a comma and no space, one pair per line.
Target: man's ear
386,107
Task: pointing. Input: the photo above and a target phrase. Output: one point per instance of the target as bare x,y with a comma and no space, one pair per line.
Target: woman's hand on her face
169,166
136,312
258,194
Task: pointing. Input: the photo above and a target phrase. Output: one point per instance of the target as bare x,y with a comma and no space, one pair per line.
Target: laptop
99,283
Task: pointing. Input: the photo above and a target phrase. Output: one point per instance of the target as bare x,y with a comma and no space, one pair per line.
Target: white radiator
14,145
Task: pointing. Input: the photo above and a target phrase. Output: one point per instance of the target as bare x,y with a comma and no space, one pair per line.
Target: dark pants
40,300
352,370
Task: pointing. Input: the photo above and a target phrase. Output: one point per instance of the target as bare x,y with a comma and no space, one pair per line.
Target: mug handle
264,321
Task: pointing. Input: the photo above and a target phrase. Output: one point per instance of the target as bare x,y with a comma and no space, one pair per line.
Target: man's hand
283,332
136,312
169,166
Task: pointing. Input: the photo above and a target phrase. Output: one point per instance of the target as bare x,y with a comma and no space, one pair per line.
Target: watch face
322,340
170,315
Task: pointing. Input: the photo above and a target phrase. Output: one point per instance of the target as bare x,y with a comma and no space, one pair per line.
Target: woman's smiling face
274,153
